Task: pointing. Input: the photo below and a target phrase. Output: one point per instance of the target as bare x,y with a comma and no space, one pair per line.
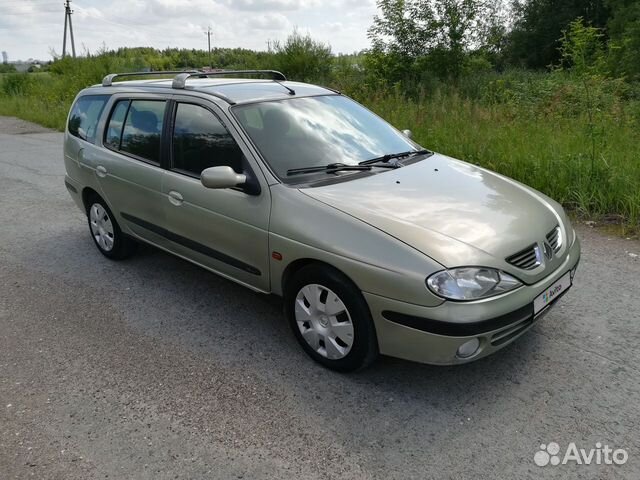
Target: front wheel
330,319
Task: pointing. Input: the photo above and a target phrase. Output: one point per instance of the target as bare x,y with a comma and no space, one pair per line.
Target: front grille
554,237
527,259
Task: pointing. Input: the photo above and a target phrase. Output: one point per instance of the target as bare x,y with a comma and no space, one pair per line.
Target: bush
7,68
14,84
302,58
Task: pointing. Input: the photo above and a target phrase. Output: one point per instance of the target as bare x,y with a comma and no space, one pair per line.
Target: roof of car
232,90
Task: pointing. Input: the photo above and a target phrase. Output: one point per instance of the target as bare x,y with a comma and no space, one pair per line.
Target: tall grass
577,141
552,153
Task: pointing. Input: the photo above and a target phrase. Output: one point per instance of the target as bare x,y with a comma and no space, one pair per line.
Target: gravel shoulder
17,126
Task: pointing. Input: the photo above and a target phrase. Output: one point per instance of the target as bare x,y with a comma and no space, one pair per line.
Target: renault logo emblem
548,251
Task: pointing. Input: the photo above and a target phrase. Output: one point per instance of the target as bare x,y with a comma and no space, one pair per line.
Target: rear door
128,168
223,229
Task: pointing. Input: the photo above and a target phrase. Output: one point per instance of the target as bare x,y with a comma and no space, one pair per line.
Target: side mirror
221,177
407,133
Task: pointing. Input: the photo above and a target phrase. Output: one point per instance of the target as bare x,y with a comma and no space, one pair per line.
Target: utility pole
209,42
67,19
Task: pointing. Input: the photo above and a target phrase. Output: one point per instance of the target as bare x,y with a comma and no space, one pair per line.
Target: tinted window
114,130
315,131
201,141
142,128
84,116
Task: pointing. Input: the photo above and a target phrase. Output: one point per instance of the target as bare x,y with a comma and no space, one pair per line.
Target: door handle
101,171
175,198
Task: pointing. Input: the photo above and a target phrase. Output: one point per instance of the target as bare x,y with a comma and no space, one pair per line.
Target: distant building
5,57
28,66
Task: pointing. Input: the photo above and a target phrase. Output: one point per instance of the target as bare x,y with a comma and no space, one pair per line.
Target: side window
142,128
201,141
84,116
114,129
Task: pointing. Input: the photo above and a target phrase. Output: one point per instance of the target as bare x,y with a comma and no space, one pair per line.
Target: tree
624,33
582,49
437,33
302,58
535,39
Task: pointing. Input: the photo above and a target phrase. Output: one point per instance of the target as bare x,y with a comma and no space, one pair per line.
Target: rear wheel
106,232
330,318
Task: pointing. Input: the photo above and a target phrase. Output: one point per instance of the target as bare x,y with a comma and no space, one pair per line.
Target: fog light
468,349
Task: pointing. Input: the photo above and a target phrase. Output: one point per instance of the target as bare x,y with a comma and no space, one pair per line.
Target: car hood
454,212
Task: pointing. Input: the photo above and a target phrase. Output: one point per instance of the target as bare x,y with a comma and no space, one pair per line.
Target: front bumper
434,334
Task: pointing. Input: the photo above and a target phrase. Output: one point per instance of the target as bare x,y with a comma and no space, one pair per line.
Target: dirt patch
16,126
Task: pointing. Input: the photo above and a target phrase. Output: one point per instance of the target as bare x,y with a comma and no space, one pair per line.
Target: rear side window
135,127
84,116
201,141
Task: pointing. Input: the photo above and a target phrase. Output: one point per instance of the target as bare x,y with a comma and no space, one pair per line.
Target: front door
225,230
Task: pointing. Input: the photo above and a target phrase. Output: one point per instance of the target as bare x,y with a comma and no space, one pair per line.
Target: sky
32,28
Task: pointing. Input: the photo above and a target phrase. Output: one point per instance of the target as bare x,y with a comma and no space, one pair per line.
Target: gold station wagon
375,244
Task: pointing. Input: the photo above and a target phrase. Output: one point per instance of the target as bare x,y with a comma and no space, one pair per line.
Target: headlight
471,283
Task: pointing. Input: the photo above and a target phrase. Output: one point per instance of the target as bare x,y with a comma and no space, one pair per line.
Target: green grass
51,115
550,153
541,129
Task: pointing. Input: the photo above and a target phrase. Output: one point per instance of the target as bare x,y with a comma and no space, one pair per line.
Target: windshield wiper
334,167
391,156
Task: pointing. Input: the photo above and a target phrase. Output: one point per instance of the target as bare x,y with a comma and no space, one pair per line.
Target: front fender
303,228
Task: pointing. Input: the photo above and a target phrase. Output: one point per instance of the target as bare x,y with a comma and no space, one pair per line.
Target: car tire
330,318
106,232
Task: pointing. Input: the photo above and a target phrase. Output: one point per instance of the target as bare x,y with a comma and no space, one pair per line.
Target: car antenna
291,90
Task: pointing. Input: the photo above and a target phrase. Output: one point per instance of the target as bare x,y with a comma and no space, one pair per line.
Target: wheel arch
87,194
364,350
295,266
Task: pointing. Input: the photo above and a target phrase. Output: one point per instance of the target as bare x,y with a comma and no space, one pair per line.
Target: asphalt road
155,369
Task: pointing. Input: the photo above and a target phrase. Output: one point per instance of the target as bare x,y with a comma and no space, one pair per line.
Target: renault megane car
376,244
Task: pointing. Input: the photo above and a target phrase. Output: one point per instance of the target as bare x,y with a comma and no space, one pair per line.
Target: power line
129,25
22,14
28,4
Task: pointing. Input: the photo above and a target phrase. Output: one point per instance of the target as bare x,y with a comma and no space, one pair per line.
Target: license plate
543,300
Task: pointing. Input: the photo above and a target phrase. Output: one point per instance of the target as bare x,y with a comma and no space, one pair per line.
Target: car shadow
169,298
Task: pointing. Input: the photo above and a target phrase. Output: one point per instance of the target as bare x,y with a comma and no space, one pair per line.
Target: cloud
263,5
270,21
332,26
184,8
29,28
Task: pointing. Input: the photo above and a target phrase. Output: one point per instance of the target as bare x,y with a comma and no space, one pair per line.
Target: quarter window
83,119
201,141
114,130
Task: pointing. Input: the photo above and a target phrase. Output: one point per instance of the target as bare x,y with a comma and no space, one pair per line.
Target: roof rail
107,81
180,80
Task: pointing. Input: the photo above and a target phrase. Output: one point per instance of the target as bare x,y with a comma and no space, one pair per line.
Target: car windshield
317,131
